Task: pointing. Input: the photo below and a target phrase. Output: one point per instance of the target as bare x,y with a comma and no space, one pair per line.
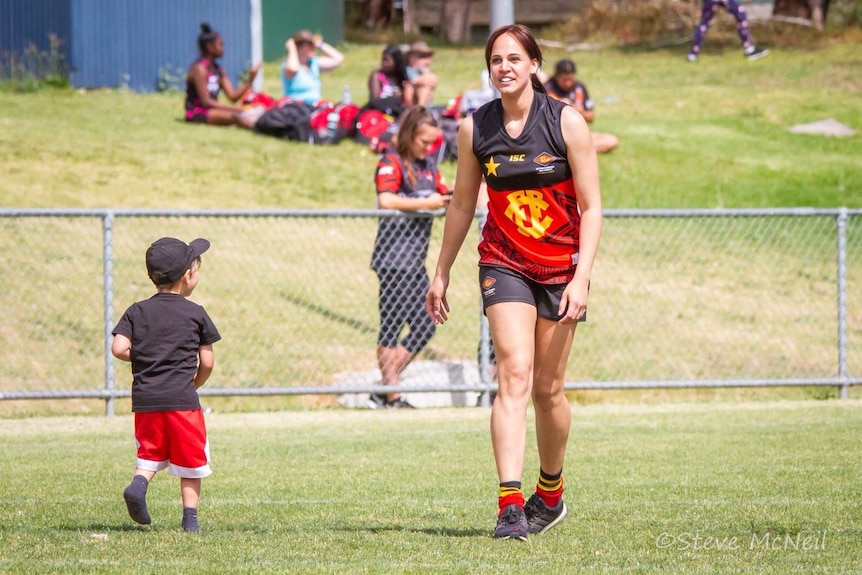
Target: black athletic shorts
499,284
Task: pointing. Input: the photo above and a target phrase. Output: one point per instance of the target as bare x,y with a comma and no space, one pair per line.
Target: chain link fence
679,298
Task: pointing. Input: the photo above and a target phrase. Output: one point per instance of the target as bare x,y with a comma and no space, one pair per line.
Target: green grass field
726,485
686,488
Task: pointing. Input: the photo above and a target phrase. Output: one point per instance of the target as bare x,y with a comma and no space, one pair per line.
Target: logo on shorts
488,286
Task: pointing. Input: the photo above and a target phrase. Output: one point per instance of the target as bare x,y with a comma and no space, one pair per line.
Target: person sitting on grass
419,72
300,73
390,82
564,86
207,79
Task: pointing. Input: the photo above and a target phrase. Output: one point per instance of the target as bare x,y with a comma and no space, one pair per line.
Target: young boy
168,340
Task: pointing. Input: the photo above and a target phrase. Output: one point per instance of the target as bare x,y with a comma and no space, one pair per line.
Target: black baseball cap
169,258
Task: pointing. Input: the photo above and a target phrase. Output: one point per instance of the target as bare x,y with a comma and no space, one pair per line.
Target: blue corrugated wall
26,22
110,43
117,42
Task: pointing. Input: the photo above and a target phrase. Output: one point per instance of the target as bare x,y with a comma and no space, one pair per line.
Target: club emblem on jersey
544,159
527,211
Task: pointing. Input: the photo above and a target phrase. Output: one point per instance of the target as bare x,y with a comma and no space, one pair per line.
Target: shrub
35,68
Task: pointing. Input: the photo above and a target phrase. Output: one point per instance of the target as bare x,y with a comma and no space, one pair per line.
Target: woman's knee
514,378
548,393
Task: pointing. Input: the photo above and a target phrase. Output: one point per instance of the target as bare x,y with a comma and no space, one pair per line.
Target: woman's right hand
252,74
435,300
438,201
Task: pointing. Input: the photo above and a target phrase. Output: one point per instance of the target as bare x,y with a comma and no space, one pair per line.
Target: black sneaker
511,524
757,54
399,403
377,401
540,517
136,500
190,520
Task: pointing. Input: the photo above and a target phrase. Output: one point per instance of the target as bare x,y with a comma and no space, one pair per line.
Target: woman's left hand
573,303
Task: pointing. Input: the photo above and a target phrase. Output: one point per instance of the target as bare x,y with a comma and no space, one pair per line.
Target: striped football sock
510,494
550,487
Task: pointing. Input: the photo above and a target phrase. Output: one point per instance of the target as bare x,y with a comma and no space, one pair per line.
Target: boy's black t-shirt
166,332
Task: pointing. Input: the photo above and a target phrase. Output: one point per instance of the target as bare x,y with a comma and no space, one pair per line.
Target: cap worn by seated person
420,49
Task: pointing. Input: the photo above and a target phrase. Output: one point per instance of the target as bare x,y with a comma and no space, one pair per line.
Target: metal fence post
841,225
484,340
108,291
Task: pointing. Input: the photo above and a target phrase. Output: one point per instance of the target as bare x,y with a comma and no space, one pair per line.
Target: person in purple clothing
708,9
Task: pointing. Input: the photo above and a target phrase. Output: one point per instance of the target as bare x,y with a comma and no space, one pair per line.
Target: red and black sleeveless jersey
533,218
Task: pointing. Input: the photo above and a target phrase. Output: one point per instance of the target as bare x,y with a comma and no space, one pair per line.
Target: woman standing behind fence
536,255
206,79
408,181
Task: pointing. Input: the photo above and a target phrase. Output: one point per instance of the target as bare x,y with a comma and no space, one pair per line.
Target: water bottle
345,95
332,119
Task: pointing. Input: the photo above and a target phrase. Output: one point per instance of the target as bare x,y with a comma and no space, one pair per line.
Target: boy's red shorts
176,440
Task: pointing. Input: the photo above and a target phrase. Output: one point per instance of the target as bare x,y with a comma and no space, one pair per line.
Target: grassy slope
705,135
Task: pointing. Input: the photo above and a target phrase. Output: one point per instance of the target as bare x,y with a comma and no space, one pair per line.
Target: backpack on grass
290,121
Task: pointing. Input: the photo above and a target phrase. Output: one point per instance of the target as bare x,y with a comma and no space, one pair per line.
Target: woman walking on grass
536,254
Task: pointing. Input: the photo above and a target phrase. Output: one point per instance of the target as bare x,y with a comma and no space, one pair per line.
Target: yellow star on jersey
491,166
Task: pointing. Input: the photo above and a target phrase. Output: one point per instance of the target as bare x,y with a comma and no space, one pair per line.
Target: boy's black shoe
136,500
511,524
540,517
190,520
